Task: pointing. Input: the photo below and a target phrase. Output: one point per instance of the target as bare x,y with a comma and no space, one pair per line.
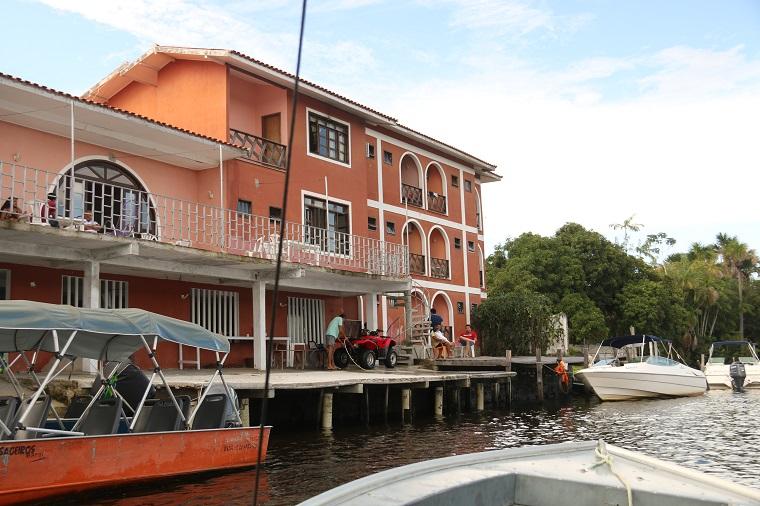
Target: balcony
134,214
416,263
260,150
439,268
436,203
411,195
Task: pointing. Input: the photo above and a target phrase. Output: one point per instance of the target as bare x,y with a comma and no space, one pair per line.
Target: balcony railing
439,268
260,150
436,203
127,212
416,263
411,195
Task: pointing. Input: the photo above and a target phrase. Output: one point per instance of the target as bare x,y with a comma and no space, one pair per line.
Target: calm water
716,433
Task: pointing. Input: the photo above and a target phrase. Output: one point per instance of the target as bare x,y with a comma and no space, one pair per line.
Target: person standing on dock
333,332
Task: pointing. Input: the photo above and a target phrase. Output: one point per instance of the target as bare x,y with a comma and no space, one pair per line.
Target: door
270,130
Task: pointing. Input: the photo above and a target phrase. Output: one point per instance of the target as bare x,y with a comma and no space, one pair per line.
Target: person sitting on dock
442,347
467,339
436,320
333,332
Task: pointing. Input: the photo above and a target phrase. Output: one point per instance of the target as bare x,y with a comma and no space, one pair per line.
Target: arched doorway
414,238
442,305
411,180
435,181
439,253
116,198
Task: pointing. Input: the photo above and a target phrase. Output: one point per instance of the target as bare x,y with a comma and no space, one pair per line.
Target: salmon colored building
179,158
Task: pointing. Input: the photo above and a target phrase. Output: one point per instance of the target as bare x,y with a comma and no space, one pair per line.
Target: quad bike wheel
369,359
391,358
341,358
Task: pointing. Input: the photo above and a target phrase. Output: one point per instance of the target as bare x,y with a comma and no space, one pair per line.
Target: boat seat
8,405
211,414
77,406
163,416
103,418
36,418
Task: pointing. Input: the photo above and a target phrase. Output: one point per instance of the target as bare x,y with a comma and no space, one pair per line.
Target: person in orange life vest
468,338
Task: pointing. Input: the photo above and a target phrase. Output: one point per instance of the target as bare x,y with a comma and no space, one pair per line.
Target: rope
605,458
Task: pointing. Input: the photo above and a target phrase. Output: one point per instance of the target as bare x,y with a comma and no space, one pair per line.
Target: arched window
116,198
414,238
411,180
438,247
435,183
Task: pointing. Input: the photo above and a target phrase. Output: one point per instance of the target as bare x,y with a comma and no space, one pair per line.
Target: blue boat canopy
620,341
107,334
731,343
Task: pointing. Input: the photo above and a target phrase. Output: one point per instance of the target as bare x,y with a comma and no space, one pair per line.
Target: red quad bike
365,350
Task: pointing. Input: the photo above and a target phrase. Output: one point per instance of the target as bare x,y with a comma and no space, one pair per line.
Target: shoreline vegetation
706,293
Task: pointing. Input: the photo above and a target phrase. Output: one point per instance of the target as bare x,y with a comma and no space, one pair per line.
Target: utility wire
278,267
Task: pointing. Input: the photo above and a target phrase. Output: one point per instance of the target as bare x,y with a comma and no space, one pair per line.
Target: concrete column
245,412
480,397
90,300
370,310
259,325
496,395
438,405
327,410
406,403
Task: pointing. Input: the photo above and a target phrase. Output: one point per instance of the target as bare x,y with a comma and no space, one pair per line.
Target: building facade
179,158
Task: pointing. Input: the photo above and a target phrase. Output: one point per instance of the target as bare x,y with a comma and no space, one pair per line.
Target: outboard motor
738,375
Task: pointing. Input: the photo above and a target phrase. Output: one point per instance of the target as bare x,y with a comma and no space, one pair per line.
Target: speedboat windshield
656,360
723,352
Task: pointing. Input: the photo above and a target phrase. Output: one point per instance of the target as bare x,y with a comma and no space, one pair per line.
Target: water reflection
714,433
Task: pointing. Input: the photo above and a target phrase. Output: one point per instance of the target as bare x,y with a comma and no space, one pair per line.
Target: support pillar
408,315
370,310
438,404
259,325
245,412
539,375
91,300
406,404
496,395
327,410
480,397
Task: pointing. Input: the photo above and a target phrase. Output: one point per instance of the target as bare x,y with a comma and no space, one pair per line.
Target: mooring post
365,405
438,404
385,408
327,410
539,375
245,412
702,362
586,357
509,361
480,397
406,404
495,395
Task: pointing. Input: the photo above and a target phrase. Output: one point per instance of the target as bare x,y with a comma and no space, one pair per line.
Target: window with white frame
327,224
5,284
328,138
113,294
216,310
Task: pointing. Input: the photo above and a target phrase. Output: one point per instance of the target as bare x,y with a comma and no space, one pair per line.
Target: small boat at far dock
577,473
722,353
631,373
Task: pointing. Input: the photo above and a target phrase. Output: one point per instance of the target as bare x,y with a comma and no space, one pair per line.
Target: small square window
455,181
275,214
370,150
460,307
244,206
388,157
473,308
390,227
467,185
470,246
372,223
457,243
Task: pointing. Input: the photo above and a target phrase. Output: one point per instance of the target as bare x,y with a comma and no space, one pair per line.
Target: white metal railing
128,212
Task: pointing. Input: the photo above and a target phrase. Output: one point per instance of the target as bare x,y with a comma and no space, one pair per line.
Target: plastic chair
36,417
8,407
103,417
77,406
163,415
211,414
299,350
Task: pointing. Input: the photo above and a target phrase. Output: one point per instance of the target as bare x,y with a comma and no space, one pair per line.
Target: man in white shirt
442,347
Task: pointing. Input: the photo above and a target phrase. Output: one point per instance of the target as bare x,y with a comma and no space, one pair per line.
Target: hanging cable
270,337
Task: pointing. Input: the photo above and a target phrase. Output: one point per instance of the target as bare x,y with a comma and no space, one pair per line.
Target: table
277,340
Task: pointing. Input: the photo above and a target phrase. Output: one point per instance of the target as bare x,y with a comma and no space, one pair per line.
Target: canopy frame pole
202,398
4,429
12,377
142,403
157,370
220,364
94,399
59,353
39,384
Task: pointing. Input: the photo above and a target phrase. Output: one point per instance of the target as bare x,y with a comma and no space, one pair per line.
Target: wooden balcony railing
259,149
439,268
416,263
436,203
411,195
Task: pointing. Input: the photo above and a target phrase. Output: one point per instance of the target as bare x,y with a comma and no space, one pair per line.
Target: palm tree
738,261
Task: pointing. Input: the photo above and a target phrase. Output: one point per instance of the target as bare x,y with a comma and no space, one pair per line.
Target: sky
593,110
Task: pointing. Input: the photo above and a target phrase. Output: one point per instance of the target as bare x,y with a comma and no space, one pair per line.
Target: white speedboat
633,375
719,360
577,473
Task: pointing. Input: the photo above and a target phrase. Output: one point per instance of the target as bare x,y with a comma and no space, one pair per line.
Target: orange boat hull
35,469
